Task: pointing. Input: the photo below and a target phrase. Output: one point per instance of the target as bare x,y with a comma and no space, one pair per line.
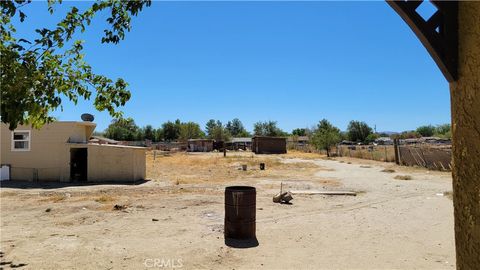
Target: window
21,140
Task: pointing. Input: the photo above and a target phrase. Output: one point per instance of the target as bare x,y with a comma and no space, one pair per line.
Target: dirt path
394,224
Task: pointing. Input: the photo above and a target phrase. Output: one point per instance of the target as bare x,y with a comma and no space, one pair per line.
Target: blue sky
292,62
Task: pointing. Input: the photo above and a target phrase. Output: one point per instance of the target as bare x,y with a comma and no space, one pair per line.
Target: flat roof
269,137
108,145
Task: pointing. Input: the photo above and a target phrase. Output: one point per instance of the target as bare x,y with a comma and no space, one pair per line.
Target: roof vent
87,117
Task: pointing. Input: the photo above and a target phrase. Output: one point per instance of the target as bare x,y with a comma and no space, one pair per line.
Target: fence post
395,148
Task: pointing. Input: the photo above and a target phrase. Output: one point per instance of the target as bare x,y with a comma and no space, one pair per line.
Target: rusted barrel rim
239,188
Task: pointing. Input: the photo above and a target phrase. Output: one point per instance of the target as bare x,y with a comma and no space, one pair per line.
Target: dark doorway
78,164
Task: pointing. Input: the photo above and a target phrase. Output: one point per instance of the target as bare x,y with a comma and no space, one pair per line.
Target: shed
269,145
243,143
200,145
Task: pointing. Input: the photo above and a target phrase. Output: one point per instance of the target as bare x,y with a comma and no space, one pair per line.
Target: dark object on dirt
48,210
284,197
388,170
403,177
119,207
154,219
262,166
240,212
244,167
365,166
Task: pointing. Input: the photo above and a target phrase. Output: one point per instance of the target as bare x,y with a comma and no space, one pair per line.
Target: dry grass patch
403,177
105,199
55,198
186,168
302,155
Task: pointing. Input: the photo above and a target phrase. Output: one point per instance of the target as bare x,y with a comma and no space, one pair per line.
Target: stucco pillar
465,99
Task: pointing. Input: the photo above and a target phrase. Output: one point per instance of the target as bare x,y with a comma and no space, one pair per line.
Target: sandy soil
176,220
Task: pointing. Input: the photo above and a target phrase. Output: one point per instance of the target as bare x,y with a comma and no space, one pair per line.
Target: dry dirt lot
175,220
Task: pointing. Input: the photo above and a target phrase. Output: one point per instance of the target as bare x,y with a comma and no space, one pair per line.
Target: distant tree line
323,136
125,129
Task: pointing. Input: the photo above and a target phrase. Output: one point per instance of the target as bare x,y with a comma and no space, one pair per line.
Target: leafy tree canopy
236,128
37,74
299,132
190,130
358,131
325,135
216,130
122,129
426,131
268,128
171,130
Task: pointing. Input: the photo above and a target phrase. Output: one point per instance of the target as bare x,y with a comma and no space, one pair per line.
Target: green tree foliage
190,130
325,135
212,125
426,131
171,130
159,134
443,131
299,132
36,74
149,133
372,137
236,129
268,128
122,129
358,131
411,134
216,130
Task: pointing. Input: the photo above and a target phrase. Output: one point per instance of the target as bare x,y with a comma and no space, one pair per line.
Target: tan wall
465,99
49,155
116,163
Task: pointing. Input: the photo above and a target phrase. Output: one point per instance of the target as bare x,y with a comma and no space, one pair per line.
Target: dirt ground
175,220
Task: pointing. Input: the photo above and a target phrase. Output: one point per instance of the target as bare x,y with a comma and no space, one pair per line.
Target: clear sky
292,62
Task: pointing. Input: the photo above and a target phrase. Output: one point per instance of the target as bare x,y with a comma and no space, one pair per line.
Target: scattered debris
154,219
283,197
244,167
321,192
403,177
349,162
365,166
388,170
48,210
119,207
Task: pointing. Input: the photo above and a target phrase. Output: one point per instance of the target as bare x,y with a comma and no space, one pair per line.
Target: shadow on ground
248,243
53,185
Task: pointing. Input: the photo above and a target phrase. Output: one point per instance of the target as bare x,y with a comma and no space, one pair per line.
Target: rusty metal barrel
240,212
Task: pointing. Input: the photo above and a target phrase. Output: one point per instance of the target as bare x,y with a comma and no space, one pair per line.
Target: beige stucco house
60,151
